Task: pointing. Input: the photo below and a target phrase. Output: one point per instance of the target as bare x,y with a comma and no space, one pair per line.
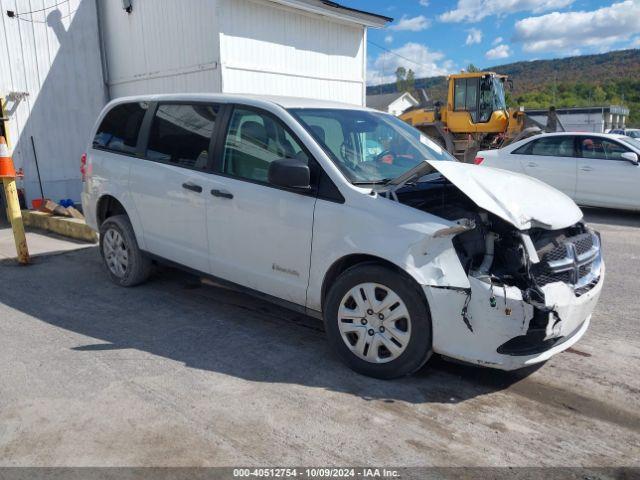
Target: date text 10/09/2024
308,473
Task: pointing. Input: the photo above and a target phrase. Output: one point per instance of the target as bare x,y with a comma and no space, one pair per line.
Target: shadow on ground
215,329
622,218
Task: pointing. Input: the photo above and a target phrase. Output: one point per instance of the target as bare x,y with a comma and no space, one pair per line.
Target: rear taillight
478,160
83,166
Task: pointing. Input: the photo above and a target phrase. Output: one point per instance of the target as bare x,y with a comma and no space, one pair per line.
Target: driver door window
254,140
486,101
552,147
601,148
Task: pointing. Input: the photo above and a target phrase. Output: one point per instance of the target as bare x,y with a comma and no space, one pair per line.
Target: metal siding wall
54,56
164,46
271,50
577,122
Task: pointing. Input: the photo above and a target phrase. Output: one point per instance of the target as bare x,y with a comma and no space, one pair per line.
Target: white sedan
594,169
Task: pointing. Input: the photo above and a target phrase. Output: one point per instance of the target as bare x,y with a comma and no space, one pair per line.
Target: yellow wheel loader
476,117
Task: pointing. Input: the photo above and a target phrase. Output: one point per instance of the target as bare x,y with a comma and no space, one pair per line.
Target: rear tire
126,264
378,322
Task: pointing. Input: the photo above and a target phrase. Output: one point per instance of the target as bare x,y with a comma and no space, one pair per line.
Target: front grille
575,261
584,242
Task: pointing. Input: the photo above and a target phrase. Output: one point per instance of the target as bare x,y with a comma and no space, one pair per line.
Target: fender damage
527,272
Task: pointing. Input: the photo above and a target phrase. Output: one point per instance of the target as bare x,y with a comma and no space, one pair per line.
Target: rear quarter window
118,131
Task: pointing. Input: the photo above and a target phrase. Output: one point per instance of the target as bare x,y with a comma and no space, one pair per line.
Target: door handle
193,187
221,194
586,169
532,164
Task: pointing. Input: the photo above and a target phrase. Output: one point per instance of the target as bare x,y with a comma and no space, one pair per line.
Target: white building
393,103
52,89
61,61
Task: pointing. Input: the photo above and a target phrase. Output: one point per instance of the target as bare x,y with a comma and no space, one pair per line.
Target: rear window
119,129
549,146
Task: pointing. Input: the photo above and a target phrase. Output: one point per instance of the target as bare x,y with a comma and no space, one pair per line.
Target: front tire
126,264
378,322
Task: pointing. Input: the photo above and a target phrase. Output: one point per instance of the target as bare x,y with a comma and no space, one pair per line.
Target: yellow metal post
8,175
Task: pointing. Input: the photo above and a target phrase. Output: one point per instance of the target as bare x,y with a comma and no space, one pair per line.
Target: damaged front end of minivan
533,271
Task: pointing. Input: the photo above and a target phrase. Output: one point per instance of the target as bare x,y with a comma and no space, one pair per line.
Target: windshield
369,147
633,133
492,98
633,142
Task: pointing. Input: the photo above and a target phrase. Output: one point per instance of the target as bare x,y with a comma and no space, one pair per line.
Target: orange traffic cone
7,169
8,175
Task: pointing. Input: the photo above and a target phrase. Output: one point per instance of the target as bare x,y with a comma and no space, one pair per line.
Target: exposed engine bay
492,250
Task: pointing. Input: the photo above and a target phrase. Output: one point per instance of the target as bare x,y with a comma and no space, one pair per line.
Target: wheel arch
348,261
108,206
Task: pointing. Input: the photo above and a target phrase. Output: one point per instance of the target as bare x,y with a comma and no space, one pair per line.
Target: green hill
608,78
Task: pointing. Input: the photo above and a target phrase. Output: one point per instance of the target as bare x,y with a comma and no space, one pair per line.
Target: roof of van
250,99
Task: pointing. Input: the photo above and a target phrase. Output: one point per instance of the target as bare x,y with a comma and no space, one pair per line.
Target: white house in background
61,61
393,103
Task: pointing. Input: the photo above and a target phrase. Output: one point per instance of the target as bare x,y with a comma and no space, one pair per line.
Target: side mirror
289,173
631,157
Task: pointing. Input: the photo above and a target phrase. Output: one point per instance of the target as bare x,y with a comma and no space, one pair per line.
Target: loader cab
478,94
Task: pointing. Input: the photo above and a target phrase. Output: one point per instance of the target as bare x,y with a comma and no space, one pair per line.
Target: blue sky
443,36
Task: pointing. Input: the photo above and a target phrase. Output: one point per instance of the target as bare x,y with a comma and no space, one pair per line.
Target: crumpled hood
522,201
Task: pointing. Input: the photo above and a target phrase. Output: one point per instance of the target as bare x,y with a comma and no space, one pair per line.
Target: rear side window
549,146
119,129
181,134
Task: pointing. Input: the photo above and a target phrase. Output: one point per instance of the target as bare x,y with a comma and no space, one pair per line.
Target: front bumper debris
506,331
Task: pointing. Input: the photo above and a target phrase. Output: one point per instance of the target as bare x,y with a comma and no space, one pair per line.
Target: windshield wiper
384,181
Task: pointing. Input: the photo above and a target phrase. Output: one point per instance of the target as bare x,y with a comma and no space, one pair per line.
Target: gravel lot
177,373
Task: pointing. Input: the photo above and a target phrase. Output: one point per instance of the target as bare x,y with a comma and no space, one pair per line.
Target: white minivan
349,215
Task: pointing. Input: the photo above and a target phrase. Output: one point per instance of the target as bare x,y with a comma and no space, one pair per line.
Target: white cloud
412,24
428,63
501,51
566,31
635,43
497,41
388,39
474,36
424,3
475,10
